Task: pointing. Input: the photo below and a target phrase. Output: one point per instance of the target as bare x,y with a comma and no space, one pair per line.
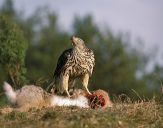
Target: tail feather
10,93
51,86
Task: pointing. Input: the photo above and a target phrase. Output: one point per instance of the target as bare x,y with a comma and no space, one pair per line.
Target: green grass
122,115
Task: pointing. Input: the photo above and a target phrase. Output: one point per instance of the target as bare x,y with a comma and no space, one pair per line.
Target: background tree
46,46
8,8
12,51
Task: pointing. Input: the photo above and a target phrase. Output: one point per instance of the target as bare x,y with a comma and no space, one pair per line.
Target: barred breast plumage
77,62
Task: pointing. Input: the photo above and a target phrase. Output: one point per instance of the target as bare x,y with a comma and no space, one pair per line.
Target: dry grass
122,115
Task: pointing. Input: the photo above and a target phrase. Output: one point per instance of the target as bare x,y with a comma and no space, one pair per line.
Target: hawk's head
78,43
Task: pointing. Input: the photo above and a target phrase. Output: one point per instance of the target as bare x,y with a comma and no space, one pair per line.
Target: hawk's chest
79,63
78,66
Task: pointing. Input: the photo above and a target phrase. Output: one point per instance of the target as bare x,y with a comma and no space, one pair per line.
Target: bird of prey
74,63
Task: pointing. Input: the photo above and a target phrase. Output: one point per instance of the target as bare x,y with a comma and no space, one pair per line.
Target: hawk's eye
80,40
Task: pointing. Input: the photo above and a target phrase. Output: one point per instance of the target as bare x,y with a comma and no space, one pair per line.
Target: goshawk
77,62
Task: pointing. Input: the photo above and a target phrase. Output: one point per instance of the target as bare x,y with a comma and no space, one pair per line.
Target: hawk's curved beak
73,40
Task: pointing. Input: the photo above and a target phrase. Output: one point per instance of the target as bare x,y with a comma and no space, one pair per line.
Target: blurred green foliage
12,51
117,63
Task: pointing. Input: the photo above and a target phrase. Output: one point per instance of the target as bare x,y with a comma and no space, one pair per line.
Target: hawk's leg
85,80
72,86
65,84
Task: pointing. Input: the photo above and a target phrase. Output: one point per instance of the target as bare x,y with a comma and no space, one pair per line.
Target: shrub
13,48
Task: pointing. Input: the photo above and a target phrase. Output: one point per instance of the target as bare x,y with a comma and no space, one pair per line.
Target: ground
122,115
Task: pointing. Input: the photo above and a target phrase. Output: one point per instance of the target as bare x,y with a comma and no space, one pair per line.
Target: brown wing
61,62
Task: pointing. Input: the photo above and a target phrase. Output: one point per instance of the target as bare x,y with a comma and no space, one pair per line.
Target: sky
141,18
